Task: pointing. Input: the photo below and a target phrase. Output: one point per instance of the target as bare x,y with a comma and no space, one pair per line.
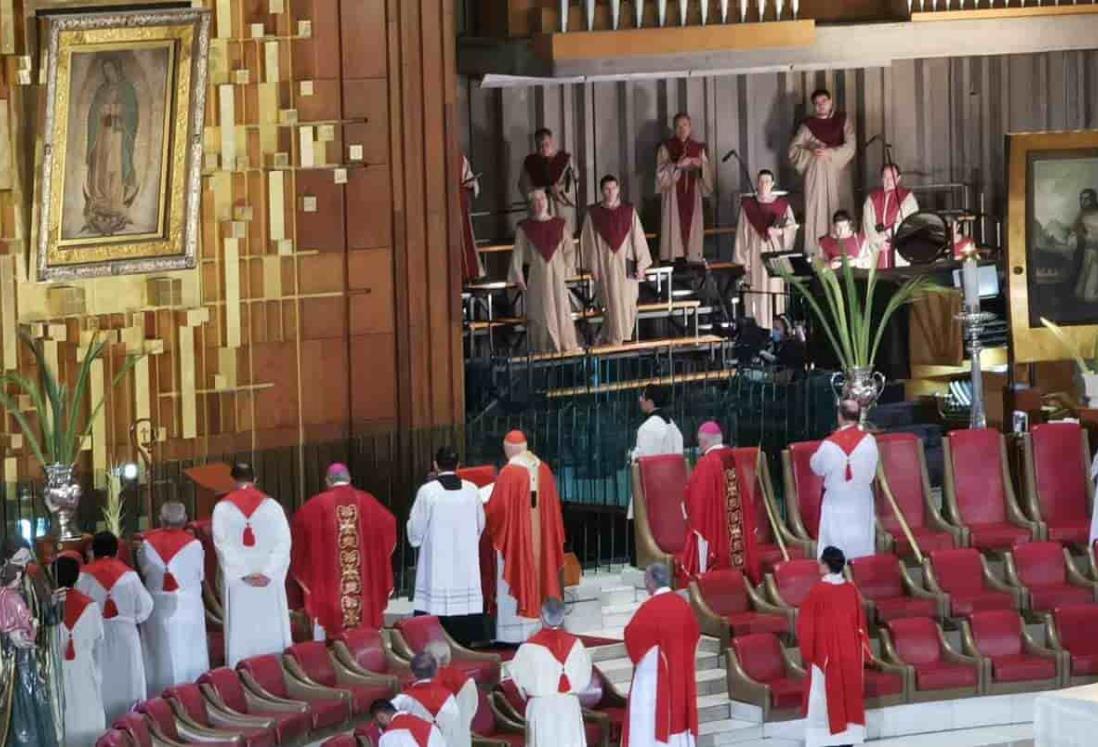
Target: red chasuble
847,439
545,172
432,695
545,235
764,215
343,543
832,633
612,224
469,264
414,725
834,248
107,571
828,130
75,604
509,526
559,643
168,543
247,499
666,620
687,184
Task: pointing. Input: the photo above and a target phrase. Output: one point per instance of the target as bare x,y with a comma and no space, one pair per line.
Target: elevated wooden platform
638,384
623,349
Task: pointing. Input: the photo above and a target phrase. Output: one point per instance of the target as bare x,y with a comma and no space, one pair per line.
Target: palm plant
61,430
847,316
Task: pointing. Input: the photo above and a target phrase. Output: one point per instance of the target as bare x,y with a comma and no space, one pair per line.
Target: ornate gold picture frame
1052,241
119,181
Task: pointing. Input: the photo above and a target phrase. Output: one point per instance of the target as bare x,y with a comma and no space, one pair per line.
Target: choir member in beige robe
543,242
884,210
843,241
555,172
615,252
766,224
683,177
821,151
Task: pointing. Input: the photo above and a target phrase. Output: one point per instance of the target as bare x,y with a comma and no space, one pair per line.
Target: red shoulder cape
886,215
613,225
828,130
545,235
687,185
508,516
107,571
168,542
559,643
431,695
545,172
414,725
834,248
452,678
75,604
763,215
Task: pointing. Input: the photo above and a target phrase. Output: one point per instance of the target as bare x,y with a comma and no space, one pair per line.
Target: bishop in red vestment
831,629
662,640
341,555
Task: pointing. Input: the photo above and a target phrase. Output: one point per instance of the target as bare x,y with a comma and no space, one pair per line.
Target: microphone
728,155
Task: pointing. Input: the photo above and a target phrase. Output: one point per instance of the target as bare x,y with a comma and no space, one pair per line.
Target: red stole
831,630
168,543
545,172
75,604
431,695
666,620
687,185
847,439
509,526
247,499
414,725
612,224
469,264
834,248
559,643
107,571
341,555
545,235
886,206
764,215
828,130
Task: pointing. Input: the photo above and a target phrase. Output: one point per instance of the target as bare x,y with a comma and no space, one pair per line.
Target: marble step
708,682
727,731
621,670
716,707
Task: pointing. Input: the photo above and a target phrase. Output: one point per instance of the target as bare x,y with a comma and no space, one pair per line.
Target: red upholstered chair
790,581
762,673
196,713
1048,575
978,493
267,677
935,669
343,740
803,491
512,703
1012,660
1092,560
904,465
139,731
226,694
1057,457
889,592
115,738
492,728
602,697
363,650
727,605
885,684
413,634
164,726
313,664
964,575
480,475
1074,629
659,527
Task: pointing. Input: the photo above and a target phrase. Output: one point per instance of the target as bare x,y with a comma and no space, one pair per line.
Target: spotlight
128,471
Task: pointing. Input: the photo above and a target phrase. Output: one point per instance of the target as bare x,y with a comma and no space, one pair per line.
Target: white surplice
654,437
847,512
510,626
446,526
553,718
257,619
174,636
455,732
82,678
817,724
122,658
404,738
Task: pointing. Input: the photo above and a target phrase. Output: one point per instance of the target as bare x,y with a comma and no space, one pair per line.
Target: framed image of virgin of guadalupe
118,186
1052,241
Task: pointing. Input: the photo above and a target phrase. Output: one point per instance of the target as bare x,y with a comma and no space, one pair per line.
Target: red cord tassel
849,472
70,651
249,536
170,584
110,610
565,685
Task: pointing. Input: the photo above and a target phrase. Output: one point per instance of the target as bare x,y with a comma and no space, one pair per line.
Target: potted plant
1087,363
848,319
56,438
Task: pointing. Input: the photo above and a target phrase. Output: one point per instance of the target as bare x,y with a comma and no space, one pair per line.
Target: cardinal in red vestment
831,629
527,531
662,640
343,543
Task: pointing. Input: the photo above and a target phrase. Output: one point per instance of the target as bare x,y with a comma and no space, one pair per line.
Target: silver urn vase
62,496
861,384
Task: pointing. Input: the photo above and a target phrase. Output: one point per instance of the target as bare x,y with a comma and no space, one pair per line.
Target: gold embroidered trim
734,510
350,581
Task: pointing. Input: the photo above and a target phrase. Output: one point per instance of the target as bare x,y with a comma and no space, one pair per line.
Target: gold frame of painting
1035,343
170,243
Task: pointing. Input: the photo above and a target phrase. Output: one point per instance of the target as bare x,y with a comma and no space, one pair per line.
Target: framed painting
1052,240
118,185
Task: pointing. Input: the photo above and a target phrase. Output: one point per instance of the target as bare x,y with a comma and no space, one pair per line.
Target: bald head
552,613
173,515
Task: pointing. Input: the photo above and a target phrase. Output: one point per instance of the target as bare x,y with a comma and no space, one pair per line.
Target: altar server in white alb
445,523
81,642
658,434
847,462
172,562
252,539
429,699
401,729
551,669
125,604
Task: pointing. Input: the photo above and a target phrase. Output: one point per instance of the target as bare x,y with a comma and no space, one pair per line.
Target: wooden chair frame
1029,467
933,516
1052,635
258,702
716,626
742,687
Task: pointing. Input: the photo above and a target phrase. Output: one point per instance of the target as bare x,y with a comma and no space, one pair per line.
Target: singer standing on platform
683,177
554,172
821,151
883,212
766,224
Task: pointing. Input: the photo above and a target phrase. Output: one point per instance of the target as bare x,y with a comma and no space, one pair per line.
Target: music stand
795,263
